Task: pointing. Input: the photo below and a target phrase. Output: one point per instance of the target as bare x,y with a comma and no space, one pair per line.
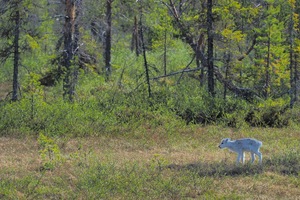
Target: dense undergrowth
123,102
107,114
109,109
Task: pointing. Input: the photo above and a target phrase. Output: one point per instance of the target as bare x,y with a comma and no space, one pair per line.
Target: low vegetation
180,163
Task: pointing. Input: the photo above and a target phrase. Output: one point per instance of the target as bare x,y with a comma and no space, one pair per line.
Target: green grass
150,164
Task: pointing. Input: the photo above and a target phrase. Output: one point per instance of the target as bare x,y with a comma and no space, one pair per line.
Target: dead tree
108,39
206,60
210,49
144,56
16,55
135,44
71,37
144,47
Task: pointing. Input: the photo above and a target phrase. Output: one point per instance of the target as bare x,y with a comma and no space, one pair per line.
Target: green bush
269,113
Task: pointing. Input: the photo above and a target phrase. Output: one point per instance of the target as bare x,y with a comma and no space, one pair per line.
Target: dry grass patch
5,88
18,154
181,167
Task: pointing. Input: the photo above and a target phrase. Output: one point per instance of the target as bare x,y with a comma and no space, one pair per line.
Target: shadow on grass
286,163
219,169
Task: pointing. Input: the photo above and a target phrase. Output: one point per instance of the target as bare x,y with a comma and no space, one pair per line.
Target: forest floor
183,166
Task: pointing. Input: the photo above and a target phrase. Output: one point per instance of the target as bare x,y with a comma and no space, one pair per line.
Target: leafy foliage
49,152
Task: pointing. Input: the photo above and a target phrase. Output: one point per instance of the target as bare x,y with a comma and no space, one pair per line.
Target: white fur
242,145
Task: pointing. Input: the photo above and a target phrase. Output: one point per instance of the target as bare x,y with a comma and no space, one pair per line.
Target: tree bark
292,77
296,78
227,61
16,55
200,51
108,39
144,55
267,68
244,93
165,52
135,37
71,36
210,49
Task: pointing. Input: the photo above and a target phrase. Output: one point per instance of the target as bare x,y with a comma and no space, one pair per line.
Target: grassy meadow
183,162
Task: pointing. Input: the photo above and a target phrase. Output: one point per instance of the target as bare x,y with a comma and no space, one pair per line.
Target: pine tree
271,57
16,28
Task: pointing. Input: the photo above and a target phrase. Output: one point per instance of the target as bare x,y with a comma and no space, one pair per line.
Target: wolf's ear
227,139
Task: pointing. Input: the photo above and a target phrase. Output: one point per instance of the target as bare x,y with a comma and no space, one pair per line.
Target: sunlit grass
185,164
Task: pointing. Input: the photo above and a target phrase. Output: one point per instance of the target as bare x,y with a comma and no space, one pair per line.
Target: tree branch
245,93
249,50
178,72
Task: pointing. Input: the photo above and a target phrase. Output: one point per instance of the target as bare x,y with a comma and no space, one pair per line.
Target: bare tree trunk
165,52
210,50
74,69
135,38
144,54
267,69
292,77
71,36
16,55
227,60
296,78
108,39
199,51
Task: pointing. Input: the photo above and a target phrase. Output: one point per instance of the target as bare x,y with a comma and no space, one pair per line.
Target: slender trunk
293,65
145,58
227,60
292,74
181,2
296,78
199,52
108,40
165,52
135,37
267,70
198,66
210,51
16,56
74,69
137,43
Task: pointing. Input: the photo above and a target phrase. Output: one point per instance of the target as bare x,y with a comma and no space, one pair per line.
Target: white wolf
241,145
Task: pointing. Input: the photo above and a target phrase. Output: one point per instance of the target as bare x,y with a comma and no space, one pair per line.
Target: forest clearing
130,99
